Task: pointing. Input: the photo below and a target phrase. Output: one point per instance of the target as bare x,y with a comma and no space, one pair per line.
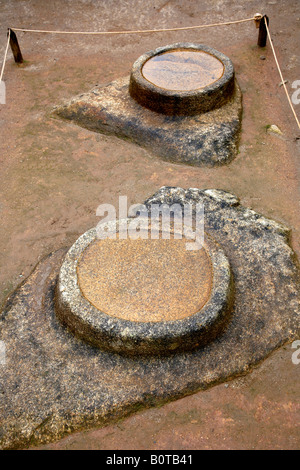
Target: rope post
15,47
262,35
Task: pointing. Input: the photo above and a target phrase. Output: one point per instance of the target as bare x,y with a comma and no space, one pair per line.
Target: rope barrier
5,56
185,28
281,76
256,18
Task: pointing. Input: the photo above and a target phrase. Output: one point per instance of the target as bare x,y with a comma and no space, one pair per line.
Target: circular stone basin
144,296
145,280
182,79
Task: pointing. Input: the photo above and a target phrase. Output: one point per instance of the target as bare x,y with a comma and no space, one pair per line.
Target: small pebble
274,130
262,57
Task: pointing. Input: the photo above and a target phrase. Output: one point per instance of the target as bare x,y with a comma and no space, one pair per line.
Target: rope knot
257,19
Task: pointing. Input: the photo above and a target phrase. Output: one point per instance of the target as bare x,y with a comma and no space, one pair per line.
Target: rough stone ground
54,175
259,411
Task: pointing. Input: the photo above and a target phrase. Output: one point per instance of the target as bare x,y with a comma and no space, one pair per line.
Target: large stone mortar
182,102
136,334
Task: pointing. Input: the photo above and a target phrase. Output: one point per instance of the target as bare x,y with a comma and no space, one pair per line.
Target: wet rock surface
54,384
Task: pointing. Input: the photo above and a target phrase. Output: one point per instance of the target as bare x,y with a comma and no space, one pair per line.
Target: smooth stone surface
54,384
183,70
145,280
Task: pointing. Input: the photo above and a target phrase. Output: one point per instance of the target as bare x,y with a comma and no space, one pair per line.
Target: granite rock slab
53,383
208,139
